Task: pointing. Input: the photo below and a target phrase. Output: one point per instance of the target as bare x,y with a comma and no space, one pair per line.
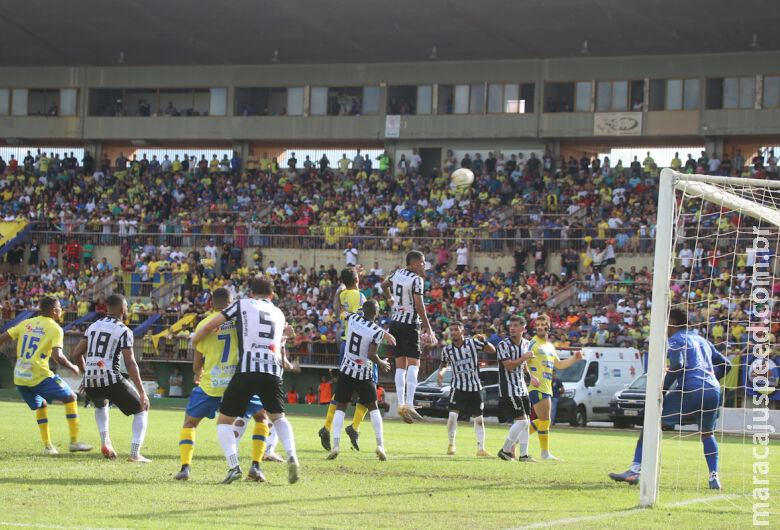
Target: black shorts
516,406
243,386
466,402
346,385
407,340
122,394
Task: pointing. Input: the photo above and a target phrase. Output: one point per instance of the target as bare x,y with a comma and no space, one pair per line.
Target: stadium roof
209,32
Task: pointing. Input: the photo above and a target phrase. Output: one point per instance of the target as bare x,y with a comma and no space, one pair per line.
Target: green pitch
419,486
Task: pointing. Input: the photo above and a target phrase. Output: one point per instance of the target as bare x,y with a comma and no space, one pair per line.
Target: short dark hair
348,276
114,301
47,304
678,317
456,323
262,286
370,309
518,318
414,255
220,297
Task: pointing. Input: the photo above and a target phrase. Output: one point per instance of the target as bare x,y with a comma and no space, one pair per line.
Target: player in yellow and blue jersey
348,299
541,365
214,364
38,339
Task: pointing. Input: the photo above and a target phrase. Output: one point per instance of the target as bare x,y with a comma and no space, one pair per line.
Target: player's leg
413,353
709,401
454,407
399,353
534,396
358,417
234,403
542,409
272,395
56,388
270,446
476,406
367,395
199,406
126,398
259,439
39,405
518,432
338,425
101,419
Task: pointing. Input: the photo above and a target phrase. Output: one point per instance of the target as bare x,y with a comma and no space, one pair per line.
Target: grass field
417,487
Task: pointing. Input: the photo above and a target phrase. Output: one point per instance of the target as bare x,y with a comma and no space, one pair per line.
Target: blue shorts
700,405
49,389
201,405
536,396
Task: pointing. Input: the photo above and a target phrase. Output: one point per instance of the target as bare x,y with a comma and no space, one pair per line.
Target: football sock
338,424
227,440
285,433
452,426
532,427
186,445
101,418
43,424
360,414
259,439
479,430
411,383
139,432
72,414
329,417
636,465
270,443
711,452
376,423
516,432
544,434
239,428
400,381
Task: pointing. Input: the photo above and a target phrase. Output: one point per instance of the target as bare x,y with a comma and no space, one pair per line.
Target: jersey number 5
266,329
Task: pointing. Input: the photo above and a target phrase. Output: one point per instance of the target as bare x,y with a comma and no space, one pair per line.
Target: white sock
239,428
376,423
452,426
400,380
635,468
139,432
227,440
515,432
285,433
335,431
411,383
270,442
101,418
522,439
479,430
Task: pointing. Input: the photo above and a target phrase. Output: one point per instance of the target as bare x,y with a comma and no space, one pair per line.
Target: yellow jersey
351,301
35,338
220,357
542,364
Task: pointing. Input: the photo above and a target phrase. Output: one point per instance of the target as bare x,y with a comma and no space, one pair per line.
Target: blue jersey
692,361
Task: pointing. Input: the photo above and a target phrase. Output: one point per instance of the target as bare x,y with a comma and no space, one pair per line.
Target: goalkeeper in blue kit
694,369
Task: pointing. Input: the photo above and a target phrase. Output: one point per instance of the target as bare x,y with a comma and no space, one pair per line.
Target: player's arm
386,292
57,355
419,306
135,376
78,354
5,337
388,338
675,355
487,347
720,363
337,300
560,365
291,366
197,365
374,358
210,326
442,369
534,380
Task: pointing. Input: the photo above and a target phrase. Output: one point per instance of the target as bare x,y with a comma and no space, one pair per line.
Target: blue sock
638,451
711,452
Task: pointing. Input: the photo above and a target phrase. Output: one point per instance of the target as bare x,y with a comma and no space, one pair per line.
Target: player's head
50,307
349,277
516,326
117,306
221,298
415,262
678,319
542,326
456,330
262,287
370,309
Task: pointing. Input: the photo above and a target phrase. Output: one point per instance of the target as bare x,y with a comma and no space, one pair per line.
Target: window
143,102
567,96
582,100
674,94
461,105
771,92
68,101
370,100
295,101
731,92
319,101
19,102
446,99
43,102
5,101
406,99
612,96
218,102
510,98
106,102
347,101
424,99
477,99
257,101
462,99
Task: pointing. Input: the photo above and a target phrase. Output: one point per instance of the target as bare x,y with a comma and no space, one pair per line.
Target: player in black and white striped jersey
99,354
513,352
262,359
403,290
356,373
466,387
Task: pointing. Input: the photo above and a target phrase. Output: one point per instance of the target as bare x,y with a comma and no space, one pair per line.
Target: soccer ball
462,177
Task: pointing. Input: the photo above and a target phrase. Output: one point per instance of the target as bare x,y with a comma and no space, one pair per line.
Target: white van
589,384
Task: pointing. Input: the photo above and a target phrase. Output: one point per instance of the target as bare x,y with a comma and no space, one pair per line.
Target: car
432,400
627,407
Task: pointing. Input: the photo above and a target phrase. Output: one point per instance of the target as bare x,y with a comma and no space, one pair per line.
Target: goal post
754,198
